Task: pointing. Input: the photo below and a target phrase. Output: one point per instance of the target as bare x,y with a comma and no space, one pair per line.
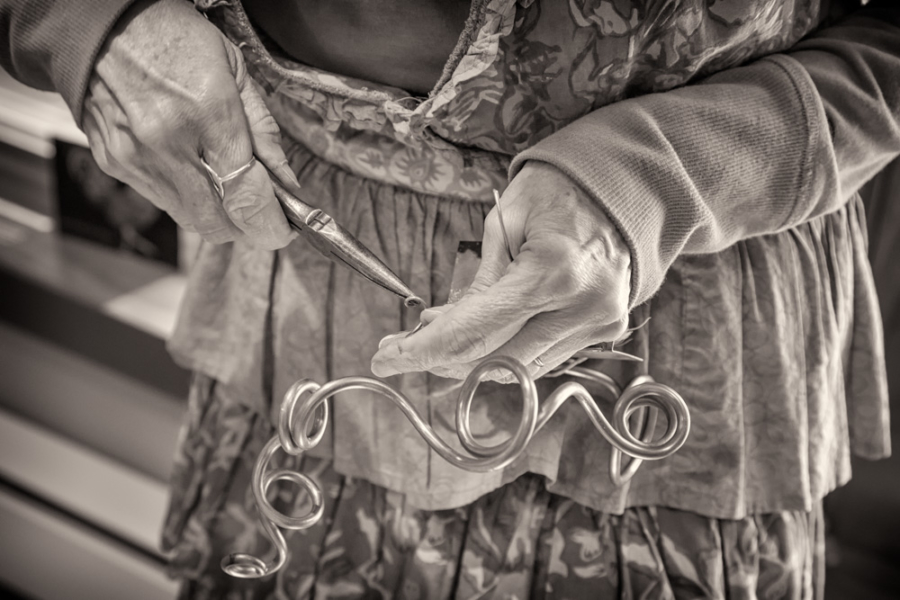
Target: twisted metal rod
304,416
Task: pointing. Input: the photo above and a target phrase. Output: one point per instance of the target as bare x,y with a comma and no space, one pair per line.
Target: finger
252,206
536,337
118,153
531,346
433,312
249,198
494,255
206,214
114,151
265,136
478,324
548,335
425,317
544,343
494,262
157,171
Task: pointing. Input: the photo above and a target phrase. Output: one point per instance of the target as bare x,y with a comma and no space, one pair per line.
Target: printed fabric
775,342
517,542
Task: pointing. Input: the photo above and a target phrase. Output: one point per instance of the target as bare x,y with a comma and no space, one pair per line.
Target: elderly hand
167,89
567,288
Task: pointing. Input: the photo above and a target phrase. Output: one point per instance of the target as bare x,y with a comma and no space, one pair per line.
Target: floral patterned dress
774,342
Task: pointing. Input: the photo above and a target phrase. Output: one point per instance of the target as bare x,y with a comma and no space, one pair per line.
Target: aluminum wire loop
304,416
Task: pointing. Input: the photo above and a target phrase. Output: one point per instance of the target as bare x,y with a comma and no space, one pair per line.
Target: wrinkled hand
567,288
168,88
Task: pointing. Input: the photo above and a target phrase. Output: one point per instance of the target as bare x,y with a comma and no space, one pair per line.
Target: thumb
504,236
496,256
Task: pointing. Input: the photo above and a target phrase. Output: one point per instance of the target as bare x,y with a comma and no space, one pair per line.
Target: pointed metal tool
509,251
336,243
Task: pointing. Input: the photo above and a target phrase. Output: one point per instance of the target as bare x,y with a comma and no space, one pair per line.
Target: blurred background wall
91,403
864,516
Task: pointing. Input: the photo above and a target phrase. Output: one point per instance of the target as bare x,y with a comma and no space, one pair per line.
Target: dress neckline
361,89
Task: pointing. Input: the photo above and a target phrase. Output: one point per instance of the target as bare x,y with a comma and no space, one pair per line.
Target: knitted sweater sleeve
749,151
52,44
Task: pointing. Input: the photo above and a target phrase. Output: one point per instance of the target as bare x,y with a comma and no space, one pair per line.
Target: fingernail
286,174
386,351
390,338
429,314
414,329
382,369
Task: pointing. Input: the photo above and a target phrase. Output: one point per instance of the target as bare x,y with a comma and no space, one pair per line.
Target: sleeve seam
91,60
636,272
811,123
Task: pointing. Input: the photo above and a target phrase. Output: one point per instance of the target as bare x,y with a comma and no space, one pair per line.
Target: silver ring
218,183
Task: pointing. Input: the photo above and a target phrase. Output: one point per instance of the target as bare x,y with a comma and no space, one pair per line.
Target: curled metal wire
304,417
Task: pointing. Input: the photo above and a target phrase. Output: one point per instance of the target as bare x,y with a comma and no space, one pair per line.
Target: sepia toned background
90,403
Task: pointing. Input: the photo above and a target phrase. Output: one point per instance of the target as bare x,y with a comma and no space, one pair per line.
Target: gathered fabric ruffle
522,71
774,343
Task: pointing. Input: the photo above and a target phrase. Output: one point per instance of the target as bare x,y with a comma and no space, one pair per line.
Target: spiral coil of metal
304,416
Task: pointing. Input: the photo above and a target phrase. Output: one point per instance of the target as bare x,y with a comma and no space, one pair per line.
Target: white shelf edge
52,557
25,216
83,482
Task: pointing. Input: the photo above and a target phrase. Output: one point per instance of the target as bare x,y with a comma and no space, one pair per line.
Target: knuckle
611,303
103,159
217,237
264,124
566,281
203,109
124,160
155,131
619,328
216,109
606,331
214,232
249,213
564,270
462,343
219,103
573,255
117,165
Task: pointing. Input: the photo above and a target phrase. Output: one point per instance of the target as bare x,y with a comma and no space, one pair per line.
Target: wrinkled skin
168,88
567,288
153,109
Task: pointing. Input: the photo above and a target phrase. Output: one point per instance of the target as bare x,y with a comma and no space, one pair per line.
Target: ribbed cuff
91,22
624,191
698,168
